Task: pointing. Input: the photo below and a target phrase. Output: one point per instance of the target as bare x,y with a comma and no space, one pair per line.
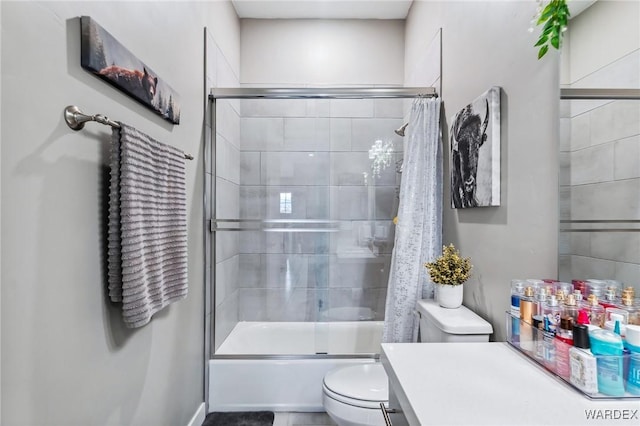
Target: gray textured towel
147,238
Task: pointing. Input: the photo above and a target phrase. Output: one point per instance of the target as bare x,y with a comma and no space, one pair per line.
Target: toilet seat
363,385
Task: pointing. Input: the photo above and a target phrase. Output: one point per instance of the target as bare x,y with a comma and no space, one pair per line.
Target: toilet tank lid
453,321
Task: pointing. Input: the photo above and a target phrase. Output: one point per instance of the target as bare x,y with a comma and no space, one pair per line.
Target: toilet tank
438,324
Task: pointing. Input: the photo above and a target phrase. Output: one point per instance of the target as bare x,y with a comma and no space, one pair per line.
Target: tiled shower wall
316,151
600,177
219,73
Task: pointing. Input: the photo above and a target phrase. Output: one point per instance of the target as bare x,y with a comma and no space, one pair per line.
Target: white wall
322,52
486,44
67,359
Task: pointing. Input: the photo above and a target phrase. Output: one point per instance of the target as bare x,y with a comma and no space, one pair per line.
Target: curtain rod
76,119
322,93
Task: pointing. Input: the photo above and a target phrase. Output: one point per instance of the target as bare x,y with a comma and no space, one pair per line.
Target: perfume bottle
594,310
517,290
610,299
570,308
628,304
563,343
551,317
526,316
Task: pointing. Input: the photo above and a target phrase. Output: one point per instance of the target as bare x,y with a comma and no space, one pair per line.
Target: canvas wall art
475,153
108,59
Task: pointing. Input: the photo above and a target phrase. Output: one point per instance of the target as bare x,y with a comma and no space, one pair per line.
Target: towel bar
76,119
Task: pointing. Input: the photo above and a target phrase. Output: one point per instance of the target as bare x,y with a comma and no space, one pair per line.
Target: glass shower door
305,223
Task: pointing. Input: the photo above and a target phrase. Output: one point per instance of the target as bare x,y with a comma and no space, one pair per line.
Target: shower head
400,131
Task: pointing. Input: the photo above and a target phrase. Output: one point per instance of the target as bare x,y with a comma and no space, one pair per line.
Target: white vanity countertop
489,384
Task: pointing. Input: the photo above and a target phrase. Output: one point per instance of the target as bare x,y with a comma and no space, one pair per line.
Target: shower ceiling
322,9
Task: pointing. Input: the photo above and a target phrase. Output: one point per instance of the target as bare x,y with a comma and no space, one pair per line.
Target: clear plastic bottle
596,287
570,309
628,304
551,317
526,316
517,290
594,309
610,300
563,343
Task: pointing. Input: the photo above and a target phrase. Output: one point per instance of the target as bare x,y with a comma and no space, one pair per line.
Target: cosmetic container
580,285
567,288
596,287
628,304
610,299
563,343
569,308
526,315
633,345
610,369
594,310
517,290
582,363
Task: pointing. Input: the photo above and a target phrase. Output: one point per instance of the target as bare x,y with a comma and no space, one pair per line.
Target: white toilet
352,395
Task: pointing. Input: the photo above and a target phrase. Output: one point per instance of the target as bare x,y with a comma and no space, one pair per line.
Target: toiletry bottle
594,309
567,288
633,344
538,301
564,342
596,287
613,316
526,315
584,373
577,295
609,300
580,285
608,349
517,289
570,308
551,318
538,337
628,304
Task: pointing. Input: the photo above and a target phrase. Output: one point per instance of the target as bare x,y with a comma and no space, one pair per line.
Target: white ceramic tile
355,168
359,272
226,279
211,52
580,243
618,246
611,200
623,74
580,132
228,122
565,134
368,130
602,124
281,419
564,202
310,419
249,168
626,118
592,165
252,200
227,199
564,163
351,108
274,107
227,160
227,245
294,168
627,158
226,318
261,134
388,108
318,108
306,134
588,267
226,77
629,274
361,203
340,134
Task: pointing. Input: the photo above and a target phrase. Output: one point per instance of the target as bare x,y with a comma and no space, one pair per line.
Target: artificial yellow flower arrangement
450,268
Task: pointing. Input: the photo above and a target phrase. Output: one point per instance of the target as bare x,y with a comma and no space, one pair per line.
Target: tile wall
316,151
600,177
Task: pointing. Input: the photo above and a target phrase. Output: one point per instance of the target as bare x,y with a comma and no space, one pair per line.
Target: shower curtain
419,230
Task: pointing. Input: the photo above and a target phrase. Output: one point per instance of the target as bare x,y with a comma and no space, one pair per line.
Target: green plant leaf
543,50
541,41
555,41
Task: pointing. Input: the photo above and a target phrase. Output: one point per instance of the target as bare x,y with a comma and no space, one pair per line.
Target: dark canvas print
475,153
104,56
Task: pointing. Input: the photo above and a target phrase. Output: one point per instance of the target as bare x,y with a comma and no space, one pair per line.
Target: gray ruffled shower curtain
419,230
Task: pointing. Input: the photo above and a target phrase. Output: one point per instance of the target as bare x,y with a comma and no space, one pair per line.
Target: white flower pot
450,296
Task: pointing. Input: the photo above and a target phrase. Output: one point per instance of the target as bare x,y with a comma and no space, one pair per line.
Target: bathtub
279,366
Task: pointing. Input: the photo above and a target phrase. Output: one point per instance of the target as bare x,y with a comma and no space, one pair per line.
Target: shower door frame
280,93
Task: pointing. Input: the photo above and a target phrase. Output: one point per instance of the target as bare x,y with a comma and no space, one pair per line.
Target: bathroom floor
302,419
